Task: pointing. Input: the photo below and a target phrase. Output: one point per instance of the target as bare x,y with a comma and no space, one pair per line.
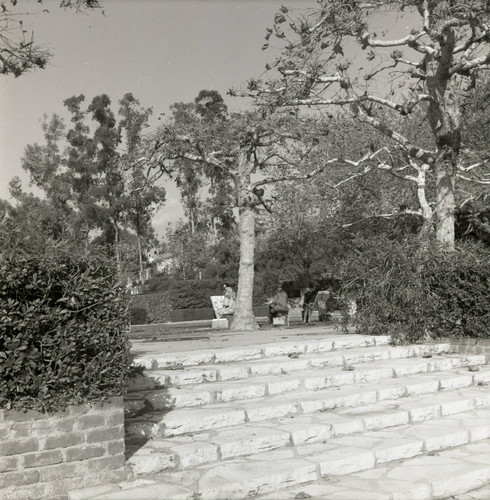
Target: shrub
157,284
194,294
63,319
192,314
459,288
414,294
156,307
139,316
176,295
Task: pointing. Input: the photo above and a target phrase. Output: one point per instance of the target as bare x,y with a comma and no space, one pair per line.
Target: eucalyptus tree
95,175
142,196
207,108
333,57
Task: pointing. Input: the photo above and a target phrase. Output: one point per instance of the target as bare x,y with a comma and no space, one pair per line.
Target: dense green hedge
194,294
63,320
150,308
170,297
416,293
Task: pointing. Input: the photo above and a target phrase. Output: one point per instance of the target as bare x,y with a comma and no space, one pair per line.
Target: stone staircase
336,417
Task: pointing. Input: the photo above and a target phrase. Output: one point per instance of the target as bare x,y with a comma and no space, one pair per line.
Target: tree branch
384,216
464,65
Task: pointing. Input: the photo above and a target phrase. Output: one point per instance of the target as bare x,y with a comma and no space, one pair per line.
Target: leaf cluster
63,318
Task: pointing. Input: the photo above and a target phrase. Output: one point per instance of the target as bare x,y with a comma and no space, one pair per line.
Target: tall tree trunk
140,258
423,203
215,231
445,200
117,250
445,120
244,318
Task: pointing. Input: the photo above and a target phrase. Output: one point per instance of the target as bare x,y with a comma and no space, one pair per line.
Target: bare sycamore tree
332,58
18,49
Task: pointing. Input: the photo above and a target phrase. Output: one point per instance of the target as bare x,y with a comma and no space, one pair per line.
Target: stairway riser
306,407
173,374
331,466
185,456
164,399
196,358
319,434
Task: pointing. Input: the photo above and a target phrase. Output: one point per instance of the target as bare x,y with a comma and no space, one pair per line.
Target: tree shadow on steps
146,403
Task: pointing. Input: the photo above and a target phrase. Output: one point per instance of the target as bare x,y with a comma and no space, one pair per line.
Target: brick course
46,456
470,346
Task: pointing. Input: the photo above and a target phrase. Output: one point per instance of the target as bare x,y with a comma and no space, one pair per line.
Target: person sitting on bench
308,301
229,301
279,304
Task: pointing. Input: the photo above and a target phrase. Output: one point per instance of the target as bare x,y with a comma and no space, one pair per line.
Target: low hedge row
63,320
177,300
150,308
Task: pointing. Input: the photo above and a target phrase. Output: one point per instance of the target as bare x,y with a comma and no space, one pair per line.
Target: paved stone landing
310,413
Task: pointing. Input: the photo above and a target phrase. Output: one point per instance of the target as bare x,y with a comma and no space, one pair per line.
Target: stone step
307,380
188,451
217,415
444,475
267,472
267,350
280,364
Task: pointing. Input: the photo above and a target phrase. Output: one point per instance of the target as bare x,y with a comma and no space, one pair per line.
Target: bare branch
318,79
425,8
367,157
483,182
464,65
366,40
411,41
384,216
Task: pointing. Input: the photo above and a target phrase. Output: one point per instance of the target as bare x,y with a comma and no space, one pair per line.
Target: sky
163,51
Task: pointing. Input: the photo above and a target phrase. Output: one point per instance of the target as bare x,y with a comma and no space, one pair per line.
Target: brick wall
470,346
46,456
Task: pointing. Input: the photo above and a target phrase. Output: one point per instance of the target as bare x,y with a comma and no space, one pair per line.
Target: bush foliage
194,294
166,299
150,308
416,294
62,329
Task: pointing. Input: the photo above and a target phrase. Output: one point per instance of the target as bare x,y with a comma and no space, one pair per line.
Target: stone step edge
222,415
192,454
471,479
294,471
269,350
241,370
257,387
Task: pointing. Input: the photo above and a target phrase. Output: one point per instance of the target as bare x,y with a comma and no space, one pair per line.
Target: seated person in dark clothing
279,304
308,301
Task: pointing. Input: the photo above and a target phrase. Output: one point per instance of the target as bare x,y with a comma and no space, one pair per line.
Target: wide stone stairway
305,414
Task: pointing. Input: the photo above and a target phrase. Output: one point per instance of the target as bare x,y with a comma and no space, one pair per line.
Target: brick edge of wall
469,346
45,456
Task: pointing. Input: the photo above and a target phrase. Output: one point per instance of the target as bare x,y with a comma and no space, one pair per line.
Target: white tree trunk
244,318
445,203
445,120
